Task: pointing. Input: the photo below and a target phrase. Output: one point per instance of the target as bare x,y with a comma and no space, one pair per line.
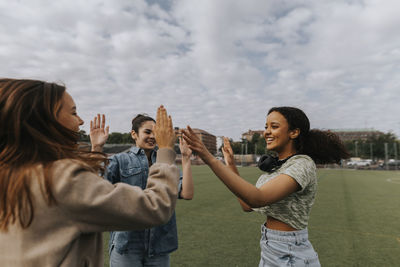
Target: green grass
354,221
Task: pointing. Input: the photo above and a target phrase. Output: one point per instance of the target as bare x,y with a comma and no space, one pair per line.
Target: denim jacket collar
136,150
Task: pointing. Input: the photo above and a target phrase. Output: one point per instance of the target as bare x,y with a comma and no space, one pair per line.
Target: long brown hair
31,138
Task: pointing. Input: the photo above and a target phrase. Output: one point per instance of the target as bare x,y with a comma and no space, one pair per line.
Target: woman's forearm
245,191
187,179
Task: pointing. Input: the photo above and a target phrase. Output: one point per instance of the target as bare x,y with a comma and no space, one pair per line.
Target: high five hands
195,144
163,130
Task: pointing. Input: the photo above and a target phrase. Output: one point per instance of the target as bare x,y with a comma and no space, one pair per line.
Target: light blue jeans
280,248
137,260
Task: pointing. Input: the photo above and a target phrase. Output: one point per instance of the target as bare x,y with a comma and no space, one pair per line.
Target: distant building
209,140
356,134
249,134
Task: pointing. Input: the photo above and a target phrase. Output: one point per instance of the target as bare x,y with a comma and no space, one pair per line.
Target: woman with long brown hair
53,205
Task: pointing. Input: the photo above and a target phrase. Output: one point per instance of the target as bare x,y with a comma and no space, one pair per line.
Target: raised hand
196,145
228,152
185,150
98,132
163,130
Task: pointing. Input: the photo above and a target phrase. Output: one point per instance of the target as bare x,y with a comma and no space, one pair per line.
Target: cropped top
294,209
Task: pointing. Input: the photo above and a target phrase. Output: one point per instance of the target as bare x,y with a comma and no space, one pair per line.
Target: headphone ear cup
267,163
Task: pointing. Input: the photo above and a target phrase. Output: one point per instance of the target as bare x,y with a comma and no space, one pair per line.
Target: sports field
355,221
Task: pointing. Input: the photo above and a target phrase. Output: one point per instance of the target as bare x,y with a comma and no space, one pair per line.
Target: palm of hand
228,152
98,136
185,150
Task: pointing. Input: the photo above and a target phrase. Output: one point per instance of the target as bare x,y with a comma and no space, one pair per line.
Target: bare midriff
275,224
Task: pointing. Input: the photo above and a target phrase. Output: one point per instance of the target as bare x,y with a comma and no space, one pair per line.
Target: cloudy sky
218,65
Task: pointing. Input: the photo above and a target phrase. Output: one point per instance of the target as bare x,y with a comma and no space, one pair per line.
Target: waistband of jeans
286,236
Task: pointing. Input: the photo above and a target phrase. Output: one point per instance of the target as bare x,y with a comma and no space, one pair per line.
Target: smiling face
278,136
67,115
144,138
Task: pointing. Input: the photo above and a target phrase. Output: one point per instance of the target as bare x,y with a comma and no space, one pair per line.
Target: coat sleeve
94,204
112,170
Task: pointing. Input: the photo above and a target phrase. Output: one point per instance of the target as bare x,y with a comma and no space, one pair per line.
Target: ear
134,135
294,133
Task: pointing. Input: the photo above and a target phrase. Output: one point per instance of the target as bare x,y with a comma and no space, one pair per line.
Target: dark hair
32,136
138,121
322,146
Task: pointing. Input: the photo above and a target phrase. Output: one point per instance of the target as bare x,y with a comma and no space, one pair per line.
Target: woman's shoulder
301,158
301,161
69,167
67,173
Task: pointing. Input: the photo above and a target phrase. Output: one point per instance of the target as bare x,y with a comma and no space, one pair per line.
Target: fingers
170,123
95,123
190,137
164,132
98,122
103,123
189,132
186,137
226,142
158,114
162,118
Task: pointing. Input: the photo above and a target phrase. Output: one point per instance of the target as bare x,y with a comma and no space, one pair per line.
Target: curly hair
322,146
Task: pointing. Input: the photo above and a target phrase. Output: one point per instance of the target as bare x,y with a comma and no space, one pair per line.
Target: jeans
280,248
137,260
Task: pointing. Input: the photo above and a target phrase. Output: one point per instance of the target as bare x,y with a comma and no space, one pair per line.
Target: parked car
363,163
360,163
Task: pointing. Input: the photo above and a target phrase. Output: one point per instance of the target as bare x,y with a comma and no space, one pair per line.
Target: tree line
113,138
364,148
372,147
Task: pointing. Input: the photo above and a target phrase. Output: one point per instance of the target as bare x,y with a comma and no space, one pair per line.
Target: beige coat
69,233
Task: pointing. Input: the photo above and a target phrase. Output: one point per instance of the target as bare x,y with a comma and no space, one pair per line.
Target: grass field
354,221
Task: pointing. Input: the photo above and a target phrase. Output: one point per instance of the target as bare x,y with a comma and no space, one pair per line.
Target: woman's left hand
228,152
185,150
98,132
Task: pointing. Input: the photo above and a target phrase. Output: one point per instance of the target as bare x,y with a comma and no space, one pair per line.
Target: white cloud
217,65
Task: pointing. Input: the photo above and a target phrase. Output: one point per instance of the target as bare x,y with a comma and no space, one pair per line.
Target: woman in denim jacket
150,247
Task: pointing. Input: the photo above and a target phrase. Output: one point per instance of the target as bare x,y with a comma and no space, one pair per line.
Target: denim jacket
132,168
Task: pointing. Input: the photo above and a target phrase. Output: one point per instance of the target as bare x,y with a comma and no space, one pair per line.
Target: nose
81,122
266,132
152,134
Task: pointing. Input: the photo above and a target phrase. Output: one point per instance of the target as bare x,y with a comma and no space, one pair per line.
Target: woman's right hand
228,152
196,145
163,130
